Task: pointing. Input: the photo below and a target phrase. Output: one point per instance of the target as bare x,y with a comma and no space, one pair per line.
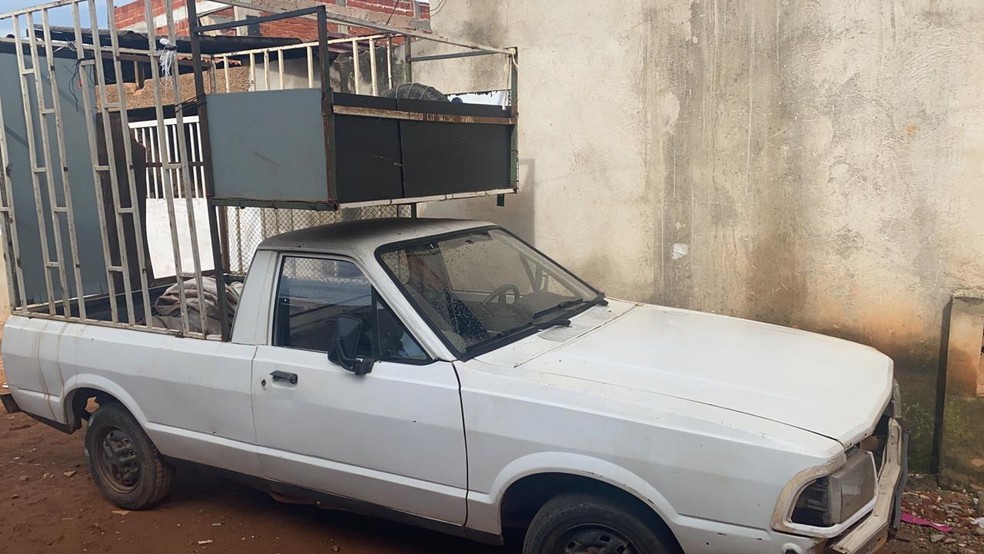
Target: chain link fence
248,227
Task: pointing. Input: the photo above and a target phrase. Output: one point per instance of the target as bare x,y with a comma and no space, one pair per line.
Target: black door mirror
343,346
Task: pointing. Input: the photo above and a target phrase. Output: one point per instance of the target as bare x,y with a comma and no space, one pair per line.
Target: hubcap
595,539
116,460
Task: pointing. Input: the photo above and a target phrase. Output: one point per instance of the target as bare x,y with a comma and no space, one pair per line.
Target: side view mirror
344,345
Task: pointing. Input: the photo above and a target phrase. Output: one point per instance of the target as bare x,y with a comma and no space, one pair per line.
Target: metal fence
268,67
248,227
159,173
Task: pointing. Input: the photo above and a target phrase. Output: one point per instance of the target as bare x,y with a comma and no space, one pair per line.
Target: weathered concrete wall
814,164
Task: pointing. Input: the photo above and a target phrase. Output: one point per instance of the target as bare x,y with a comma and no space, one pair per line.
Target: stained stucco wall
814,164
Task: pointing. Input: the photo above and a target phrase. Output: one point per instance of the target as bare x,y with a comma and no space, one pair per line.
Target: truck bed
98,307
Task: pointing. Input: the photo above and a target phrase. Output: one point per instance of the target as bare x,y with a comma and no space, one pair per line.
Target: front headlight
837,498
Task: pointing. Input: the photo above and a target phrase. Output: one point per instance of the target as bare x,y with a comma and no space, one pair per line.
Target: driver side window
313,293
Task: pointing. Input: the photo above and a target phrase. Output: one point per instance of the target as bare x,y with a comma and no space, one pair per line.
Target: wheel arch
524,485
80,389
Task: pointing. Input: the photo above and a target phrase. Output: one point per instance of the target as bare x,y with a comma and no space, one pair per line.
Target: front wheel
123,461
582,524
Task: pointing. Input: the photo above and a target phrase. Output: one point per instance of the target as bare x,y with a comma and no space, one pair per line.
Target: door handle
290,378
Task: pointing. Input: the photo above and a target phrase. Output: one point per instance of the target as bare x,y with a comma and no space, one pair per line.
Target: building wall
132,16
812,164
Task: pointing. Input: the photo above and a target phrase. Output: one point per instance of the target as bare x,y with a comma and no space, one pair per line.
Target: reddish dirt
45,507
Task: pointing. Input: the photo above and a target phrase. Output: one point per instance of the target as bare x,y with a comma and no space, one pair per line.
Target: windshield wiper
533,325
599,301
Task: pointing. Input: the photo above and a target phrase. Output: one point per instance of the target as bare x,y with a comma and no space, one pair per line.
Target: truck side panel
192,396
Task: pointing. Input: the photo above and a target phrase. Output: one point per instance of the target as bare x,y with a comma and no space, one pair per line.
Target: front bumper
872,532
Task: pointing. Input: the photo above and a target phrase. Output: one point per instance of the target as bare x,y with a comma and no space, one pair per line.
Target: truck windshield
485,286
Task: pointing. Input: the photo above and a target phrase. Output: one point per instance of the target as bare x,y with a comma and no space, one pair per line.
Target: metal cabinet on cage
318,147
275,148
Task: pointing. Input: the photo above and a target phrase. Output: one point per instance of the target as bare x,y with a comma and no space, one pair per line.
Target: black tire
124,463
574,523
415,91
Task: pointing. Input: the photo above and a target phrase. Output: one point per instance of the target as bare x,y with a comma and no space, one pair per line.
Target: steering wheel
500,293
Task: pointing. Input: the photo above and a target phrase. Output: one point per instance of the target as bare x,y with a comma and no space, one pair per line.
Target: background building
399,12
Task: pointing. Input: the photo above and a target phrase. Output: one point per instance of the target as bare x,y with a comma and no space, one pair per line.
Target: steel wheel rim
594,539
116,460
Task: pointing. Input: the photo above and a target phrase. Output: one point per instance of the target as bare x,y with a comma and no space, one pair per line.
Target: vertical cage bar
219,257
185,164
111,157
408,59
225,71
266,70
389,62
514,112
32,147
310,66
280,68
138,223
172,157
84,67
355,65
165,159
53,208
372,67
252,71
63,158
327,111
155,151
153,184
213,79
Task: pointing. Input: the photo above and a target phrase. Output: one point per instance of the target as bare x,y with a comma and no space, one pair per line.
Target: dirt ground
48,503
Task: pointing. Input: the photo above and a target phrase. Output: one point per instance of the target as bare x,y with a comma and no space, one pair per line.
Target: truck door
393,437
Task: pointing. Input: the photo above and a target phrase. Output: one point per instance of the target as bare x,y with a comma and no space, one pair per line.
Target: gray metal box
268,146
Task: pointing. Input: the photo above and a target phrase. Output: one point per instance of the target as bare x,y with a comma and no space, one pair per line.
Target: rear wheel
587,524
124,463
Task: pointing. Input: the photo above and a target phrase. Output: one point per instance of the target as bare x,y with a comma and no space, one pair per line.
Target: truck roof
364,236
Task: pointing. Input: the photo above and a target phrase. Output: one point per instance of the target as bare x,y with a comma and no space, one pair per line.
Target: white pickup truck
448,374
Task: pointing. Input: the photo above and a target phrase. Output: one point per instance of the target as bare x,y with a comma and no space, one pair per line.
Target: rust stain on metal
417,116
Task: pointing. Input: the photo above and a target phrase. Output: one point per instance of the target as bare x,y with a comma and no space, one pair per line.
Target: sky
58,16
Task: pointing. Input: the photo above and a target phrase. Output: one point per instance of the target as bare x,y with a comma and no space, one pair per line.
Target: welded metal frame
387,34
41,102
109,167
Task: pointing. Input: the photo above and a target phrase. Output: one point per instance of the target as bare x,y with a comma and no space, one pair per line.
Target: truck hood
821,384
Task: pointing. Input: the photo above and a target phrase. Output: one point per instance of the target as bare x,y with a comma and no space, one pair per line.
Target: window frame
490,346
375,294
